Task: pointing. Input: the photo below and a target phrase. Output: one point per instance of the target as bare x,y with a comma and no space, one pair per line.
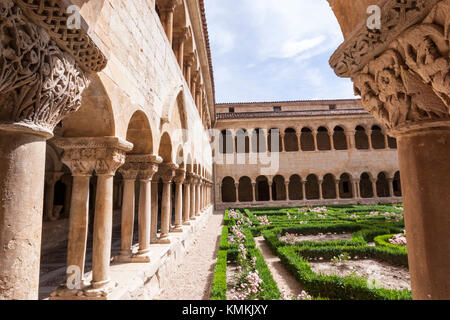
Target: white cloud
292,48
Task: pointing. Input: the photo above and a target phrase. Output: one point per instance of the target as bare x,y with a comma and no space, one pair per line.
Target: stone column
283,149
220,192
286,186
304,190
189,62
148,166
338,194
350,135
299,139
179,179
179,39
108,160
197,196
194,77
386,140
41,85
193,196
321,189
236,188
402,79
270,191
254,191
374,187
356,192
186,203
154,215
331,135
129,175
168,173
166,11
316,146
391,187
369,134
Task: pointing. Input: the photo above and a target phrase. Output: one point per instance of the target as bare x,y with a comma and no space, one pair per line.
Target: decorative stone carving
167,172
407,85
365,44
52,16
39,83
84,155
180,176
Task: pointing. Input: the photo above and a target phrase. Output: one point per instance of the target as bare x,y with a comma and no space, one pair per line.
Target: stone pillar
299,139
316,146
321,189
254,184
180,38
148,166
374,187
304,190
356,188
194,77
155,208
338,194
236,188
41,85
369,134
331,135
283,149
179,179
166,11
197,196
193,196
286,185
128,209
403,81
386,140
189,62
350,135
108,160
270,191
391,187
167,176
186,203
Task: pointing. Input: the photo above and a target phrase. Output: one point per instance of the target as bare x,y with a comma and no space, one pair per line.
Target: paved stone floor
192,279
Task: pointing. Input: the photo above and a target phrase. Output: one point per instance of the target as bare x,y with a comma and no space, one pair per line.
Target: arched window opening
274,140
245,190
258,141
397,185
382,186
307,140
329,187
377,138
278,189
290,140
242,141
228,190
295,188
345,187
366,186
361,138
226,142
339,139
262,189
312,187
323,139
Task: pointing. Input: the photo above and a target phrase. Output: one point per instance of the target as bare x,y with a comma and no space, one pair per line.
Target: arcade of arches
107,167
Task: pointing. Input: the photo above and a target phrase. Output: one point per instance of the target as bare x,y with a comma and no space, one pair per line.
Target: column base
176,229
164,241
86,293
100,290
187,223
136,258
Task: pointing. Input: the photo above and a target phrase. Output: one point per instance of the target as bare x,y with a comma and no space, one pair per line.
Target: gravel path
192,279
285,281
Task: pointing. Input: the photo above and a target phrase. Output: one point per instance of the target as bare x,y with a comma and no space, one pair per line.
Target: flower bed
318,235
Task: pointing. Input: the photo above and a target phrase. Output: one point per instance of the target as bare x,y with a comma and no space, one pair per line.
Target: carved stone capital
167,172
406,86
40,84
180,35
180,176
141,166
85,155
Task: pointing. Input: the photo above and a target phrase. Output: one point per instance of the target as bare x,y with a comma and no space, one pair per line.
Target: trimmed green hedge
219,284
383,241
331,286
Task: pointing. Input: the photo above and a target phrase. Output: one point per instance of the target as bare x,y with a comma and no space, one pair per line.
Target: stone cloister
107,152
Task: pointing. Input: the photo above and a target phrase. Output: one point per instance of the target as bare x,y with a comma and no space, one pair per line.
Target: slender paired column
197,196
270,192
254,185
321,189
167,175
186,203
350,135
188,74
286,186
374,187
129,175
338,194
155,209
167,11
304,190
316,146
193,197
331,134
391,187
179,179
236,189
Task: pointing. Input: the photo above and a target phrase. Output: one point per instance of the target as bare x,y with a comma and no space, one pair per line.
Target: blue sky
273,50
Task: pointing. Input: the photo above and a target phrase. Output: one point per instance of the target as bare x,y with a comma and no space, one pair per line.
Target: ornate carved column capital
402,73
180,176
43,72
180,35
85,155
167,172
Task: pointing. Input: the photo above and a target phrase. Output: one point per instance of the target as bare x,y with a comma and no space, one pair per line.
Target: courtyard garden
340,252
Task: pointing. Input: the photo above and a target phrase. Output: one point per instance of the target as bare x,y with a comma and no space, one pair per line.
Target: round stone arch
140,133
174,112
165,150
340,137
228,190
96,117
